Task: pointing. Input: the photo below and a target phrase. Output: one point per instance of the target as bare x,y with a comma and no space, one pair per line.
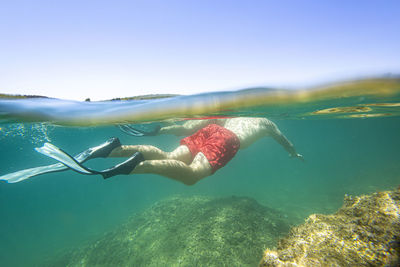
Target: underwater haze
347,132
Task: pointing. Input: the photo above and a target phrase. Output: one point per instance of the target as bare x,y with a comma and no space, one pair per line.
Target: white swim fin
56,153
99,151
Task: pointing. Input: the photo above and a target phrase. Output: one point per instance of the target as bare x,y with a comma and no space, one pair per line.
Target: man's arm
186,129
283,141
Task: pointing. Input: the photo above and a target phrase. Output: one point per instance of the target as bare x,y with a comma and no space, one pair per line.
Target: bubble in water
36,133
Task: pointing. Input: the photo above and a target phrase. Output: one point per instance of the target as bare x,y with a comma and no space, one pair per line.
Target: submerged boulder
194,231
364,232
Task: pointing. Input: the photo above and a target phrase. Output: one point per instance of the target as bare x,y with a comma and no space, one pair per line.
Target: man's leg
181,153
176,169
177,165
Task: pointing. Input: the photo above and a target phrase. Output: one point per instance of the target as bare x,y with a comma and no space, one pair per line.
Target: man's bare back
249,130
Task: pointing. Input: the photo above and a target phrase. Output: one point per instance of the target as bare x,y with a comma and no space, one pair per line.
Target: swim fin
22,175
56,153
125,167
128,129
102,150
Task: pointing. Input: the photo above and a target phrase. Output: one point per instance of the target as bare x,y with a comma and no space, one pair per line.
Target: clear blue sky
104,49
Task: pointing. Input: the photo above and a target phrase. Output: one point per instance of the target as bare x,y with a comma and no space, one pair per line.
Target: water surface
347,132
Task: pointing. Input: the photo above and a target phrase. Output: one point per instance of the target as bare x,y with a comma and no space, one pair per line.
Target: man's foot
103,150
125,167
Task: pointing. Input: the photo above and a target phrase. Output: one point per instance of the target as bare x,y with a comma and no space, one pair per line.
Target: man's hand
299,156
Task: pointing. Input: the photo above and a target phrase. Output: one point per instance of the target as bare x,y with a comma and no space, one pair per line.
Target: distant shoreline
140,97
8,96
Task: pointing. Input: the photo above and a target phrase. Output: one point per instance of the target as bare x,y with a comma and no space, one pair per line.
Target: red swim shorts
217,143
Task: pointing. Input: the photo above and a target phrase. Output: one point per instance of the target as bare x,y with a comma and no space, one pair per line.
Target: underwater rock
194,231
364,232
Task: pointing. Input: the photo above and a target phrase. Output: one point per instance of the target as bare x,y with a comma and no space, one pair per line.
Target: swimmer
210,144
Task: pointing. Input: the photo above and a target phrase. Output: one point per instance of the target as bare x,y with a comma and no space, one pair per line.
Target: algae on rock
194,231
364,232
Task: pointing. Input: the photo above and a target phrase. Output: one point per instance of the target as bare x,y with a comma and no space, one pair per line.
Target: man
210,145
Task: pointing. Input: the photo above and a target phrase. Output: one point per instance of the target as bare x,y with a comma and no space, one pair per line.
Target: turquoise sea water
46,215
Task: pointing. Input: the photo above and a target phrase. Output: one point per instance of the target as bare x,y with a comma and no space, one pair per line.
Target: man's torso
248,130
